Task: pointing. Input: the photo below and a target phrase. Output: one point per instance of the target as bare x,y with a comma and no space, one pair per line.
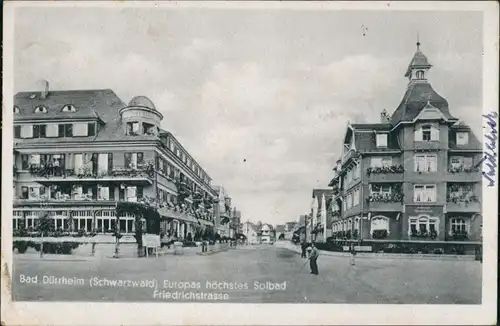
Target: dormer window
40,109
16,110
427,133
68,108
381,140
462,138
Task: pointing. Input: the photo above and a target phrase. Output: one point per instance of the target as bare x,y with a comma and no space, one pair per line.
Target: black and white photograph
198,155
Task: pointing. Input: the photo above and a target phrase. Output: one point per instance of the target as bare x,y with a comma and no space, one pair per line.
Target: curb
392,256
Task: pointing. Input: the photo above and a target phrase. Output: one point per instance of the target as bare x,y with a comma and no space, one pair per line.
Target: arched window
420,74
40,109
356,223
379,223
423,225
16,109
68,108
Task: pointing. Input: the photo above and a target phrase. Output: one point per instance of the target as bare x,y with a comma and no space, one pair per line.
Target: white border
21,313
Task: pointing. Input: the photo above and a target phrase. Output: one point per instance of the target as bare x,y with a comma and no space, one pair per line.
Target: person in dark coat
313,258
303,247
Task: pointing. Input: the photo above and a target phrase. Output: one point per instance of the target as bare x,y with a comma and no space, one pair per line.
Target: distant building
280,231
251,232
414,175
322,224
267,233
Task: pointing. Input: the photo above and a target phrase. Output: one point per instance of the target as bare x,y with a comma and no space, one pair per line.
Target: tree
281,237
45,225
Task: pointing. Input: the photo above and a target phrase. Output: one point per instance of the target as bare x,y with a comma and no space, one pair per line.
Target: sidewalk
374,255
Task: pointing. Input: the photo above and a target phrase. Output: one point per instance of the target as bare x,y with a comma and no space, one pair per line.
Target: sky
260,98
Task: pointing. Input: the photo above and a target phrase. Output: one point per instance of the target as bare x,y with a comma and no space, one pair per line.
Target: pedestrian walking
303,247
313,259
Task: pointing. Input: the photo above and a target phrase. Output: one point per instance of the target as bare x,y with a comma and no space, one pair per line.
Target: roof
419,60
89,104
86,102
473,144
417,96
142,101
372,126
367,142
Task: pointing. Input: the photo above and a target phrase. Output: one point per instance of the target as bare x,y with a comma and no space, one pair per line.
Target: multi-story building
322,214
78,153
414,175
251,231
223,212
267,233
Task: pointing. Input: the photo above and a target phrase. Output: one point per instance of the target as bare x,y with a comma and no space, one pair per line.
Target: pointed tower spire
419,65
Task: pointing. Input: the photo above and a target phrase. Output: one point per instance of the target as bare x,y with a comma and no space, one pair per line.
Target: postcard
249,163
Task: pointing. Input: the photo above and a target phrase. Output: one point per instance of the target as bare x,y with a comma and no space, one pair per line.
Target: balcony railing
392,169
464,174
143,171
467,202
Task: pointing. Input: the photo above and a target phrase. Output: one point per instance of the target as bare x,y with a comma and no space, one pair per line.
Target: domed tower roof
419,93
142,101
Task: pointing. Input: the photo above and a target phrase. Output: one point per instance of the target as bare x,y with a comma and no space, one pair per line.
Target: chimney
45,90
383,116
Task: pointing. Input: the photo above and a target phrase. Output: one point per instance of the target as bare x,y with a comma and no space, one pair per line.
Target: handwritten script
490,154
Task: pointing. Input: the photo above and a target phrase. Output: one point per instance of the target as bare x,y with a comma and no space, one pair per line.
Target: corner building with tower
415,175
77,153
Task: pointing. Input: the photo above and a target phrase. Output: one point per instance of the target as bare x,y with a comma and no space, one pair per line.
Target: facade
251,232
322,214
414,175
280,231
78,153
289,229
223,212
267,233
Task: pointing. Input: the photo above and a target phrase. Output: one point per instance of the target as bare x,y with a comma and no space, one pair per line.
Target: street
370,281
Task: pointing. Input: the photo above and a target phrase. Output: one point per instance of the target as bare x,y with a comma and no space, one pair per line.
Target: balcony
143,174
463,174
393,173
392,202
463,206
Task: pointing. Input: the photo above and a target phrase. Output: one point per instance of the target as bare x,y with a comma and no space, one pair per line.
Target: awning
170,213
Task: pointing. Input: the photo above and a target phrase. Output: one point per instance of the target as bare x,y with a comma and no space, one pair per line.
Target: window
426,163
133,160
423,224
16,109
40,109
420,74
381,189
24,192
25,162
381,140
66,130
80,129
386,162
17,131
131,194
27,131
455,162
91,129
379,223
427,133
133,128
424,193
39,131
462,138
102,193
458,225
68,108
